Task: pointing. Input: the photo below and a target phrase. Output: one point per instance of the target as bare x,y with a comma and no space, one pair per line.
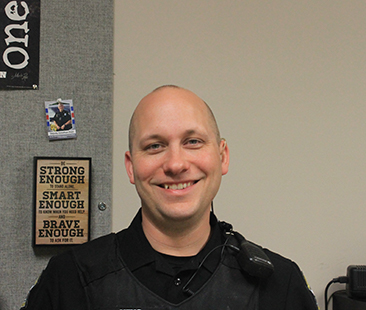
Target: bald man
175,254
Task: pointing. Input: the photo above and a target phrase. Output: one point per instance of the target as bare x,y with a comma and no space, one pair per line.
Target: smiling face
176,161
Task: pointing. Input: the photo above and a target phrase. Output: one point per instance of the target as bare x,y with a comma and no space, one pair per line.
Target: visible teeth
177,186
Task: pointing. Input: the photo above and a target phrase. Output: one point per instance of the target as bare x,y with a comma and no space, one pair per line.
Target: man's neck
177,240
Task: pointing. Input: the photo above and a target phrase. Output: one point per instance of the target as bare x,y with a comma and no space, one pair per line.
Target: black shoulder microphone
250,257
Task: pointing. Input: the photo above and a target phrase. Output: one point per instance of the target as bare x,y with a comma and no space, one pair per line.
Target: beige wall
286,80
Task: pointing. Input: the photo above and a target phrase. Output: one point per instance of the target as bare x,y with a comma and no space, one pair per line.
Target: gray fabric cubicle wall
76,62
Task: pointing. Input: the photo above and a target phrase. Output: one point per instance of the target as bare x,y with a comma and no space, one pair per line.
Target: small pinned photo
60,119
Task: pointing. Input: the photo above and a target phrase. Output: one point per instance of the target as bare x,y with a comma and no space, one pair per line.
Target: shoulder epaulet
97,258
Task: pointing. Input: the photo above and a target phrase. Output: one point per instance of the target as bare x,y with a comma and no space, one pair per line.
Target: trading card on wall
60,119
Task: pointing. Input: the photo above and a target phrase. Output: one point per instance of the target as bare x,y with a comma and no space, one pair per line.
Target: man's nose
175,161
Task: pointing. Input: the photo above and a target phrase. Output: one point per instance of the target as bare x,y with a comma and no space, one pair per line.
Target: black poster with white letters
19,44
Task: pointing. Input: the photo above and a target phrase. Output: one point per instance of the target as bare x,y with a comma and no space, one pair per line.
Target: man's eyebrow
188,132
150,137
191,132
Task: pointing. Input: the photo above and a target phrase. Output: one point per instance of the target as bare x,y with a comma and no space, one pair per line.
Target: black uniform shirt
60,288
61,118
167,275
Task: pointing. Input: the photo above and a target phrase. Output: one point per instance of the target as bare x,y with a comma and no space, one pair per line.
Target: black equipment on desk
356,285
341,301
354,297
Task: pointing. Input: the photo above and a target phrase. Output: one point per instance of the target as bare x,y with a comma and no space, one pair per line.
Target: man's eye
154,146
194,142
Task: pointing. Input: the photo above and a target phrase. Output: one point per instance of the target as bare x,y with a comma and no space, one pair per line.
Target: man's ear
129,166
225,156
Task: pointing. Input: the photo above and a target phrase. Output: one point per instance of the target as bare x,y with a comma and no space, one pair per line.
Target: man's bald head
175,90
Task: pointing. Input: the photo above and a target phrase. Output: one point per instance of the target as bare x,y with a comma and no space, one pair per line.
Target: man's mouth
178,186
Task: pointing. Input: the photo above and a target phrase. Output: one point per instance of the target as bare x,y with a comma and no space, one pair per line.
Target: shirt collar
136,251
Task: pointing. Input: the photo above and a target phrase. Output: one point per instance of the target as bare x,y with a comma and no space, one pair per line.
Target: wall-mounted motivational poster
61,200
